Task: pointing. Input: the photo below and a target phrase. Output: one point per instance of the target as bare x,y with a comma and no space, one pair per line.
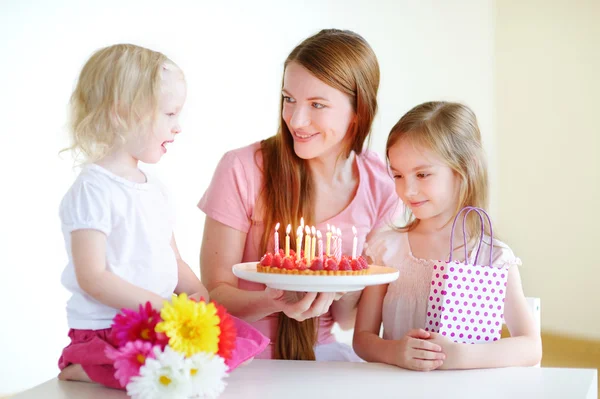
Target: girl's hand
450,348
415,351
301,305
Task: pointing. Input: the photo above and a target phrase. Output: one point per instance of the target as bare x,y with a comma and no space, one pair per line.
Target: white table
310,380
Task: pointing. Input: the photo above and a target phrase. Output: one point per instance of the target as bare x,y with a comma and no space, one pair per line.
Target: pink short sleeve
385,200
227,198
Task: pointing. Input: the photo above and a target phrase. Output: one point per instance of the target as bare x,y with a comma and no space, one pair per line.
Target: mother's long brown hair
346,62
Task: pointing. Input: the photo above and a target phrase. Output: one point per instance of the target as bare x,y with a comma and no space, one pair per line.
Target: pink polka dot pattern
481,295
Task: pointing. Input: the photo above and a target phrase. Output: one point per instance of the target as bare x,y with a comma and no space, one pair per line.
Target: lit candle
334,238
354,243
339,245
307,251
298,242
313,245
276,239
320,245
302,223
328,234
287,239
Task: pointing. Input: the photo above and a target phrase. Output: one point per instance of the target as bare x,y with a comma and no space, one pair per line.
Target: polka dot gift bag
466,301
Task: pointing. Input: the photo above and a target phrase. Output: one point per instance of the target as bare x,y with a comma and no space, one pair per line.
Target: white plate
306,283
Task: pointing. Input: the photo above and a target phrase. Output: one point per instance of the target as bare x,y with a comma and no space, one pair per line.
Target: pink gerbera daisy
129,358
130,325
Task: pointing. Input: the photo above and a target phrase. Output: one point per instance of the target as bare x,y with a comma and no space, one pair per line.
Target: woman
315,168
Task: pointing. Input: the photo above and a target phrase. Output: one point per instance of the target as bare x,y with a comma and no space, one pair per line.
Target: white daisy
206,372
163,377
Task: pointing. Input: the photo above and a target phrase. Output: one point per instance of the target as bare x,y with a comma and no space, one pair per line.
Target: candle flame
277,227
302,222
354,230
299,231
328,227
339,232
288,229
307,230
319,236
313,230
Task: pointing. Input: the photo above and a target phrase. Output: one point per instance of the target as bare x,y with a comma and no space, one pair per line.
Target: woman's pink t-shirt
232,199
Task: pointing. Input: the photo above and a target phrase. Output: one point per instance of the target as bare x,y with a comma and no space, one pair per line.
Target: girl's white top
138,224
405,303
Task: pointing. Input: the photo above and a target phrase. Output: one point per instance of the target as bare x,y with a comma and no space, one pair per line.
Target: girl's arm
412,351
187,281
523,348
366,341
222,247
344,309
89,258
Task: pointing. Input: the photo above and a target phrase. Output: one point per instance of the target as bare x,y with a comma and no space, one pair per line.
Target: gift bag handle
480,212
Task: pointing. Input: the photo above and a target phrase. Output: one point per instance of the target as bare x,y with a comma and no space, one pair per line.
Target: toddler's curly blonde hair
116,94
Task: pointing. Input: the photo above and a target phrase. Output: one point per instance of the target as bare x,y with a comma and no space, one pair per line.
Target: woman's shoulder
373,163
375,171
248,156
377,186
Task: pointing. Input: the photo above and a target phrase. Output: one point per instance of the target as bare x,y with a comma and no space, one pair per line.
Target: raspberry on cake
311,260
329,267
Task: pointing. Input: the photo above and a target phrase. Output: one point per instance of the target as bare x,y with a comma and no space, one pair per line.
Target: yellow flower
191,326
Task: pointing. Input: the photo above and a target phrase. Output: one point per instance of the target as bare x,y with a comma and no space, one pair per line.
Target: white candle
287,239
328,234
307,251
339,245
320,245
333,241
276,239
298,242
313,245
354,243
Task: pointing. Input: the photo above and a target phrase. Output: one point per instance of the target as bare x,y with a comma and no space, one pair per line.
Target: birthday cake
313,260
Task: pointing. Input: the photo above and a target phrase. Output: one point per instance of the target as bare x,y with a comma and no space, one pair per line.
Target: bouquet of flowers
179,352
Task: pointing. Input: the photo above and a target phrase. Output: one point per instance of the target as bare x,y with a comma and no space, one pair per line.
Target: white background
232,53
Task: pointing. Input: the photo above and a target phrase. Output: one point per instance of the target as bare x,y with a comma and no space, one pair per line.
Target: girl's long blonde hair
116,94
346,62
449,130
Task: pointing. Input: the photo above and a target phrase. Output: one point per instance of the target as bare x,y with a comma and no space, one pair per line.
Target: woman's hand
301,305
416,351
338,296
